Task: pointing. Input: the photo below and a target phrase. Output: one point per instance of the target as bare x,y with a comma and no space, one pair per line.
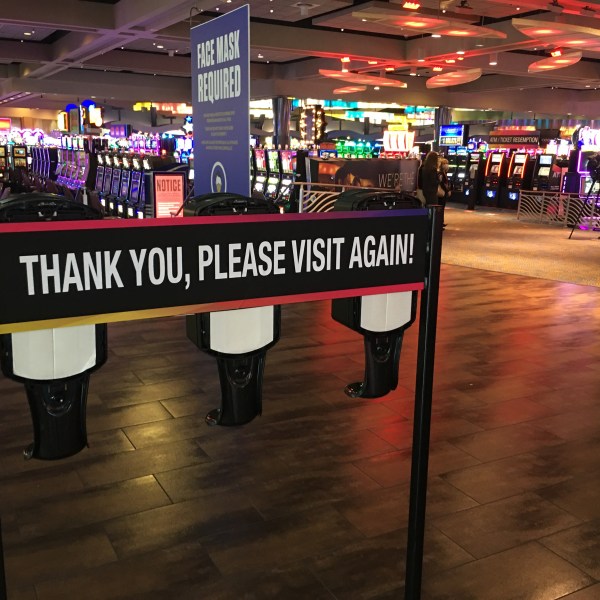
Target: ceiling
124,51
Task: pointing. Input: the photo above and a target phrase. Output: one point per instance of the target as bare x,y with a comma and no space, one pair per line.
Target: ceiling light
460,58
518,8
493,59
160,46
27,33
389,69
436,35
438,69
460,52
372,62
411,5
345,59
260,56
376,87
556,52
450,61
413,71
555,7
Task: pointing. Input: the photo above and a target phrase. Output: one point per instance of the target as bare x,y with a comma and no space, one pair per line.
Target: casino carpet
494,240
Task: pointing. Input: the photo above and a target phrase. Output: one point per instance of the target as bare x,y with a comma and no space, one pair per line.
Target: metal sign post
422,412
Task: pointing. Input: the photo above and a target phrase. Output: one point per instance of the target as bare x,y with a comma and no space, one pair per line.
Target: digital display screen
20,151
520,159
518,170
451,135
287,161
496,158
107,179
136,178
544,172
146,165
2,151
495,169
259,155
116,182
125,184
546,159
69,144
273,161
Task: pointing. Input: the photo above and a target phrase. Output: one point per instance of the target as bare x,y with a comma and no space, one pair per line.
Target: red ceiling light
411,5
346,59
390,69
556,52
372,62
438,69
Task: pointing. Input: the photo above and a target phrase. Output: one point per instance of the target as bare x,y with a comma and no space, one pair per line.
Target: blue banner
221,99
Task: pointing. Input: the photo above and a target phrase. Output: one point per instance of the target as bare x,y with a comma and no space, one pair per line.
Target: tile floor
310,501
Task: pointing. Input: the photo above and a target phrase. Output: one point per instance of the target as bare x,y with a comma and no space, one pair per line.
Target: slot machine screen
19,152
518,170
146,165
495,169
116,183
544,172
496,158
545,159
136,178
273,161
260,160
2,151
107,179
287,161
125,184
520,159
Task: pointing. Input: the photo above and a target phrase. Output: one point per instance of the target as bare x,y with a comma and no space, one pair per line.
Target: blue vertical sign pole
221,100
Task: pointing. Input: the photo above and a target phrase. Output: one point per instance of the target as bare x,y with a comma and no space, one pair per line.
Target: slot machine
546,174
115,185
288,175
3,164
458,185
53,162
19,158
252,170
35,160
260,162
518,174
452,166
108,172
495,177
274,176
123,197
473,178
99,173
135,209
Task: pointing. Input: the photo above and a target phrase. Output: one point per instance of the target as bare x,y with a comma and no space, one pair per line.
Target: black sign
74,273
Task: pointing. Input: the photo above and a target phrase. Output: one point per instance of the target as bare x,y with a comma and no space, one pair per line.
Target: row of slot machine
76,167
121,183
495,180
272,173
15,157
44,161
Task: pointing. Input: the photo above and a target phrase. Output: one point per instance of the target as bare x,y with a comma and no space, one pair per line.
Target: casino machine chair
53,364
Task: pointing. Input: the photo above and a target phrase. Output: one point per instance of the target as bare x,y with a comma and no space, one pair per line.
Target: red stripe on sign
187,221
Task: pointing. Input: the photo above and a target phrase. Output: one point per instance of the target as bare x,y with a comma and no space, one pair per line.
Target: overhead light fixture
493,59
436,35
556,52
372,62
413,71
460,52
555,7
411,5
345,59
438,69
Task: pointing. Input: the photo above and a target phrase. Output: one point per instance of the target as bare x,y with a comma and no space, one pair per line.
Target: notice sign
169,193
221,101
67,273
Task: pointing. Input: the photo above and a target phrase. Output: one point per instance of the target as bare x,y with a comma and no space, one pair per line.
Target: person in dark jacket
427,178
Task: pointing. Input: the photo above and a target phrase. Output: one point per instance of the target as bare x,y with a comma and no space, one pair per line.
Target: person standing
427,178
444,191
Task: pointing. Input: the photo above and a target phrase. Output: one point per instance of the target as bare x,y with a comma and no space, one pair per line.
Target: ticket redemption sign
221,100
106,271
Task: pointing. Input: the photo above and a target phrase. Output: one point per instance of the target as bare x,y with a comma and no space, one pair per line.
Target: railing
321,197
556,208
